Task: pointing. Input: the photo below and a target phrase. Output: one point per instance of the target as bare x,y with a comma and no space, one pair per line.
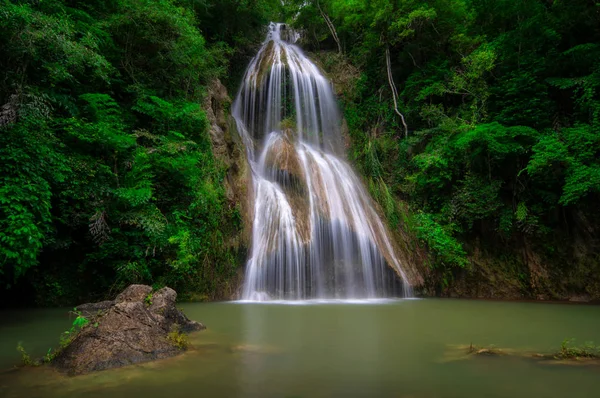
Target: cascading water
315,231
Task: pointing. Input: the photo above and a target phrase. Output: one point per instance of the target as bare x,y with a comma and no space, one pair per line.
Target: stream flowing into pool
389,348
315,232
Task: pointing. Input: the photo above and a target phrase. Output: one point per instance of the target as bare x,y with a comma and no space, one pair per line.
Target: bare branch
330,26
394,90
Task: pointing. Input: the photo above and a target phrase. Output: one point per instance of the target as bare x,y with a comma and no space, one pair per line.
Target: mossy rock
130,331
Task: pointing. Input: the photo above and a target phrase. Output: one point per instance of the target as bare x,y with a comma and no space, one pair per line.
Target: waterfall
315,233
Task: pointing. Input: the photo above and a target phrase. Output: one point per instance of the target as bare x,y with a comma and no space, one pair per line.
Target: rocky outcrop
90,309
138,326
228,148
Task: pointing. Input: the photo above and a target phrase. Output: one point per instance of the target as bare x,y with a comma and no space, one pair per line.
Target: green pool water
407,348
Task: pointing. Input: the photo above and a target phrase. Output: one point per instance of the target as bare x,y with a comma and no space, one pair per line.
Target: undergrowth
570,351
178,338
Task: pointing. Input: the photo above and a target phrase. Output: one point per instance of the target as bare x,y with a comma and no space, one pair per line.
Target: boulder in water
138,326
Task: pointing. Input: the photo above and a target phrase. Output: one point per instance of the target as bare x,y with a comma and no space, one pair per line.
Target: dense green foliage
502,102
107,176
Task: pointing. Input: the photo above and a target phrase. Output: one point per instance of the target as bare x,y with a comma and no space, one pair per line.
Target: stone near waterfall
229,149
133,328
283,164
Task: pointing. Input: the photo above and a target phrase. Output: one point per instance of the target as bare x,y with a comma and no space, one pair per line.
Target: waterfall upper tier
315,231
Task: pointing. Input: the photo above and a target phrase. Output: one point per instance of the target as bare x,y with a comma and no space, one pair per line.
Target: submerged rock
487,351
138,326
575,356
584,298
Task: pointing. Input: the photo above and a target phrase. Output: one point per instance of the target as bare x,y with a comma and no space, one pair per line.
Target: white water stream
315,232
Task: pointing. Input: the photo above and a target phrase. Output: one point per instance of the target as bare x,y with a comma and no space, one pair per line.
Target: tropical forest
299,198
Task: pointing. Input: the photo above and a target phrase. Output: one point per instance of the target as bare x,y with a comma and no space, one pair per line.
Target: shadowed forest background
108,176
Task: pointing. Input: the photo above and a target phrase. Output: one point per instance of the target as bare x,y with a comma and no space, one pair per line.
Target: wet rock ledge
138,326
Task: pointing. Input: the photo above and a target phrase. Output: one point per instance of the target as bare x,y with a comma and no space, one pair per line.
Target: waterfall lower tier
315,231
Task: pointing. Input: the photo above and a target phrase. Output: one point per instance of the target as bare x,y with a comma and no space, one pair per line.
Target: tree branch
394,90
330,26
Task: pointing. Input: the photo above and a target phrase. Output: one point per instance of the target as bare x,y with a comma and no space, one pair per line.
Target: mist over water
315,232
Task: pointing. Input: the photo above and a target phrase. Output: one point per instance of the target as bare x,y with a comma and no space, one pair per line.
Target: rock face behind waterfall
133,328
229,149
